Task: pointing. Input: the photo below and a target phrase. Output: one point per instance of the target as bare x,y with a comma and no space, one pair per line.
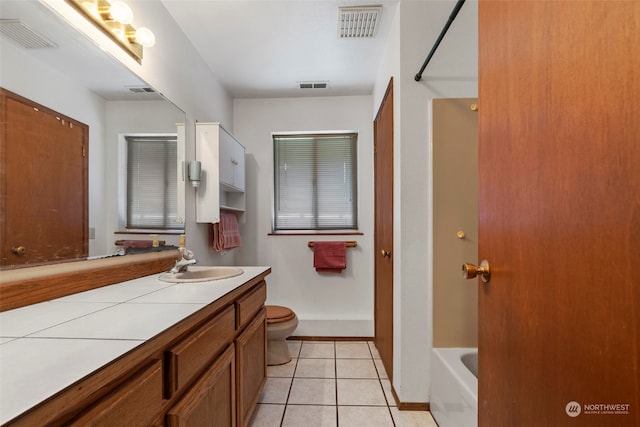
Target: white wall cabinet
223,181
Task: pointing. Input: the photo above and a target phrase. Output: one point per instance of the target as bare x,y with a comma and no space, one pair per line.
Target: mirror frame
24,286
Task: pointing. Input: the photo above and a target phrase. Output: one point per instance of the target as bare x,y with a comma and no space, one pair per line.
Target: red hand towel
329,257
226,234
137,244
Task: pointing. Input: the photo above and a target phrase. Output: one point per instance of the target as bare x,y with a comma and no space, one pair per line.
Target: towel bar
350,244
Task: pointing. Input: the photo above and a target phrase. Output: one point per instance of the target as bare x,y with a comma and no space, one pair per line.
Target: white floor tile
283,371
316,368
267,415
352,350
364,416
355,368
294,348
412,418
313,391
275,390
374,350
310,416
317,350
382,373
386,387
360,392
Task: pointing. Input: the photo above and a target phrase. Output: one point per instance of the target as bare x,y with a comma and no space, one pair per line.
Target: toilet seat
279,314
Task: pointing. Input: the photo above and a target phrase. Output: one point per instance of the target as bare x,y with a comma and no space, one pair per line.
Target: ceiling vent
358,21
141,89
313,85
23,35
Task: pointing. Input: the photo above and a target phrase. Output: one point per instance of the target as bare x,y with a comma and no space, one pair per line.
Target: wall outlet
92,233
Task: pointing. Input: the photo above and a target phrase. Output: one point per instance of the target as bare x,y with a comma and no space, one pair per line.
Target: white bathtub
454,387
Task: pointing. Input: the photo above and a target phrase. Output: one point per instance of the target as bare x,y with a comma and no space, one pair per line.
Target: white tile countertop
49,346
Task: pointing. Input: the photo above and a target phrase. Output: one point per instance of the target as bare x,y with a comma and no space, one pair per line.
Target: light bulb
121,12
145,37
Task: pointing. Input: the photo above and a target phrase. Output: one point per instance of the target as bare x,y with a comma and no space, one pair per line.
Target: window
151,182
315,182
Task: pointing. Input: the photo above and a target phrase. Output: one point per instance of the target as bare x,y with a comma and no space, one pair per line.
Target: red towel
226,234
137,244
329,257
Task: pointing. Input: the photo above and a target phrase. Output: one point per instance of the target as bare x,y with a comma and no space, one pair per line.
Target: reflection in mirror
46,61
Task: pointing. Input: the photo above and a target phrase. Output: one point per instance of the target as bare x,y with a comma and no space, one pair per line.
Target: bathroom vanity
141,352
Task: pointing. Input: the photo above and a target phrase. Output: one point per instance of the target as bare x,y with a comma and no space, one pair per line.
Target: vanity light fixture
115,19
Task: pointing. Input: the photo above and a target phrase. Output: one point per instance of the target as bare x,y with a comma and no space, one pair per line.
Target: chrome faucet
186,259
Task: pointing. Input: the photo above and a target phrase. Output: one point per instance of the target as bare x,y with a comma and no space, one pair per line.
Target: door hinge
84,151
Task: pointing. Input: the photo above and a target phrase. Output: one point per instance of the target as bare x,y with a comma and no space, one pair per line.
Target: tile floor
332,384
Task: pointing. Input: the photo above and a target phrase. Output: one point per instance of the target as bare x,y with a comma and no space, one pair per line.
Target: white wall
452,72
327,305
173,68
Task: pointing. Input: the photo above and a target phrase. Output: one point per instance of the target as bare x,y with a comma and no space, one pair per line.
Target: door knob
469,271
385,253
19,250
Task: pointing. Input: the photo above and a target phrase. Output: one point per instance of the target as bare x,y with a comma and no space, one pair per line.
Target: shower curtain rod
453,15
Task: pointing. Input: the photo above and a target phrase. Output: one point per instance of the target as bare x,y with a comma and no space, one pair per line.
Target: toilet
281,322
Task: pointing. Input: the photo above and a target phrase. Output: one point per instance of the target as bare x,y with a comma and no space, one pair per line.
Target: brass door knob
19,250
469,271
385,253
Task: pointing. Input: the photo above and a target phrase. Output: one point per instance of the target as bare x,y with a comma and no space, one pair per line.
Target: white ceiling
256,48
264,48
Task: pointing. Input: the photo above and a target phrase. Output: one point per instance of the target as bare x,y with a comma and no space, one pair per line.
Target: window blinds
151,182
315,182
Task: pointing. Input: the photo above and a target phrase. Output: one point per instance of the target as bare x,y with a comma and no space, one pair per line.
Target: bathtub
454,387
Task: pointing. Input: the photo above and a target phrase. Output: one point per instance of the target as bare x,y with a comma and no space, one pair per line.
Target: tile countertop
47,347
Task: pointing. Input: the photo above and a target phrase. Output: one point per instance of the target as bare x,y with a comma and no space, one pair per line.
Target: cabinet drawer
249,304
136,402
194,353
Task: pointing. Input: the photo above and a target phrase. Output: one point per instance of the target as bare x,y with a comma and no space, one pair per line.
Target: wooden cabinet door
251,360
211,402
137,402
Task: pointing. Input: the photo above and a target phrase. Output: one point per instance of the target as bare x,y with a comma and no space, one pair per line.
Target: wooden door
44,184
383,252
559,213
455,211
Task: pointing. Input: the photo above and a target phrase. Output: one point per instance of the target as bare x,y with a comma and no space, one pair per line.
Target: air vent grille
141,89
313,85
358,21
23,35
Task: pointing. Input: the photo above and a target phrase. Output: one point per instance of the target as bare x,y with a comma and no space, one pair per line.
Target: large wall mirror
62,70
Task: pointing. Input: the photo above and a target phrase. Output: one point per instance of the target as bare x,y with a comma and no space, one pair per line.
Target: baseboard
409,406
307,338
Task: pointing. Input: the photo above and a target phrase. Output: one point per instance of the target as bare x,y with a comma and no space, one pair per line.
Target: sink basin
201,274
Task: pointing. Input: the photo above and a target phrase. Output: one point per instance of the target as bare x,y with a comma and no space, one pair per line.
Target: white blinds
315,182
151,182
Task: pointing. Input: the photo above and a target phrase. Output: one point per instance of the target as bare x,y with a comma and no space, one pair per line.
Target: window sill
316,233
147,232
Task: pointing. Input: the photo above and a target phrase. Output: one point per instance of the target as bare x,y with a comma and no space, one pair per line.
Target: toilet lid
278,314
